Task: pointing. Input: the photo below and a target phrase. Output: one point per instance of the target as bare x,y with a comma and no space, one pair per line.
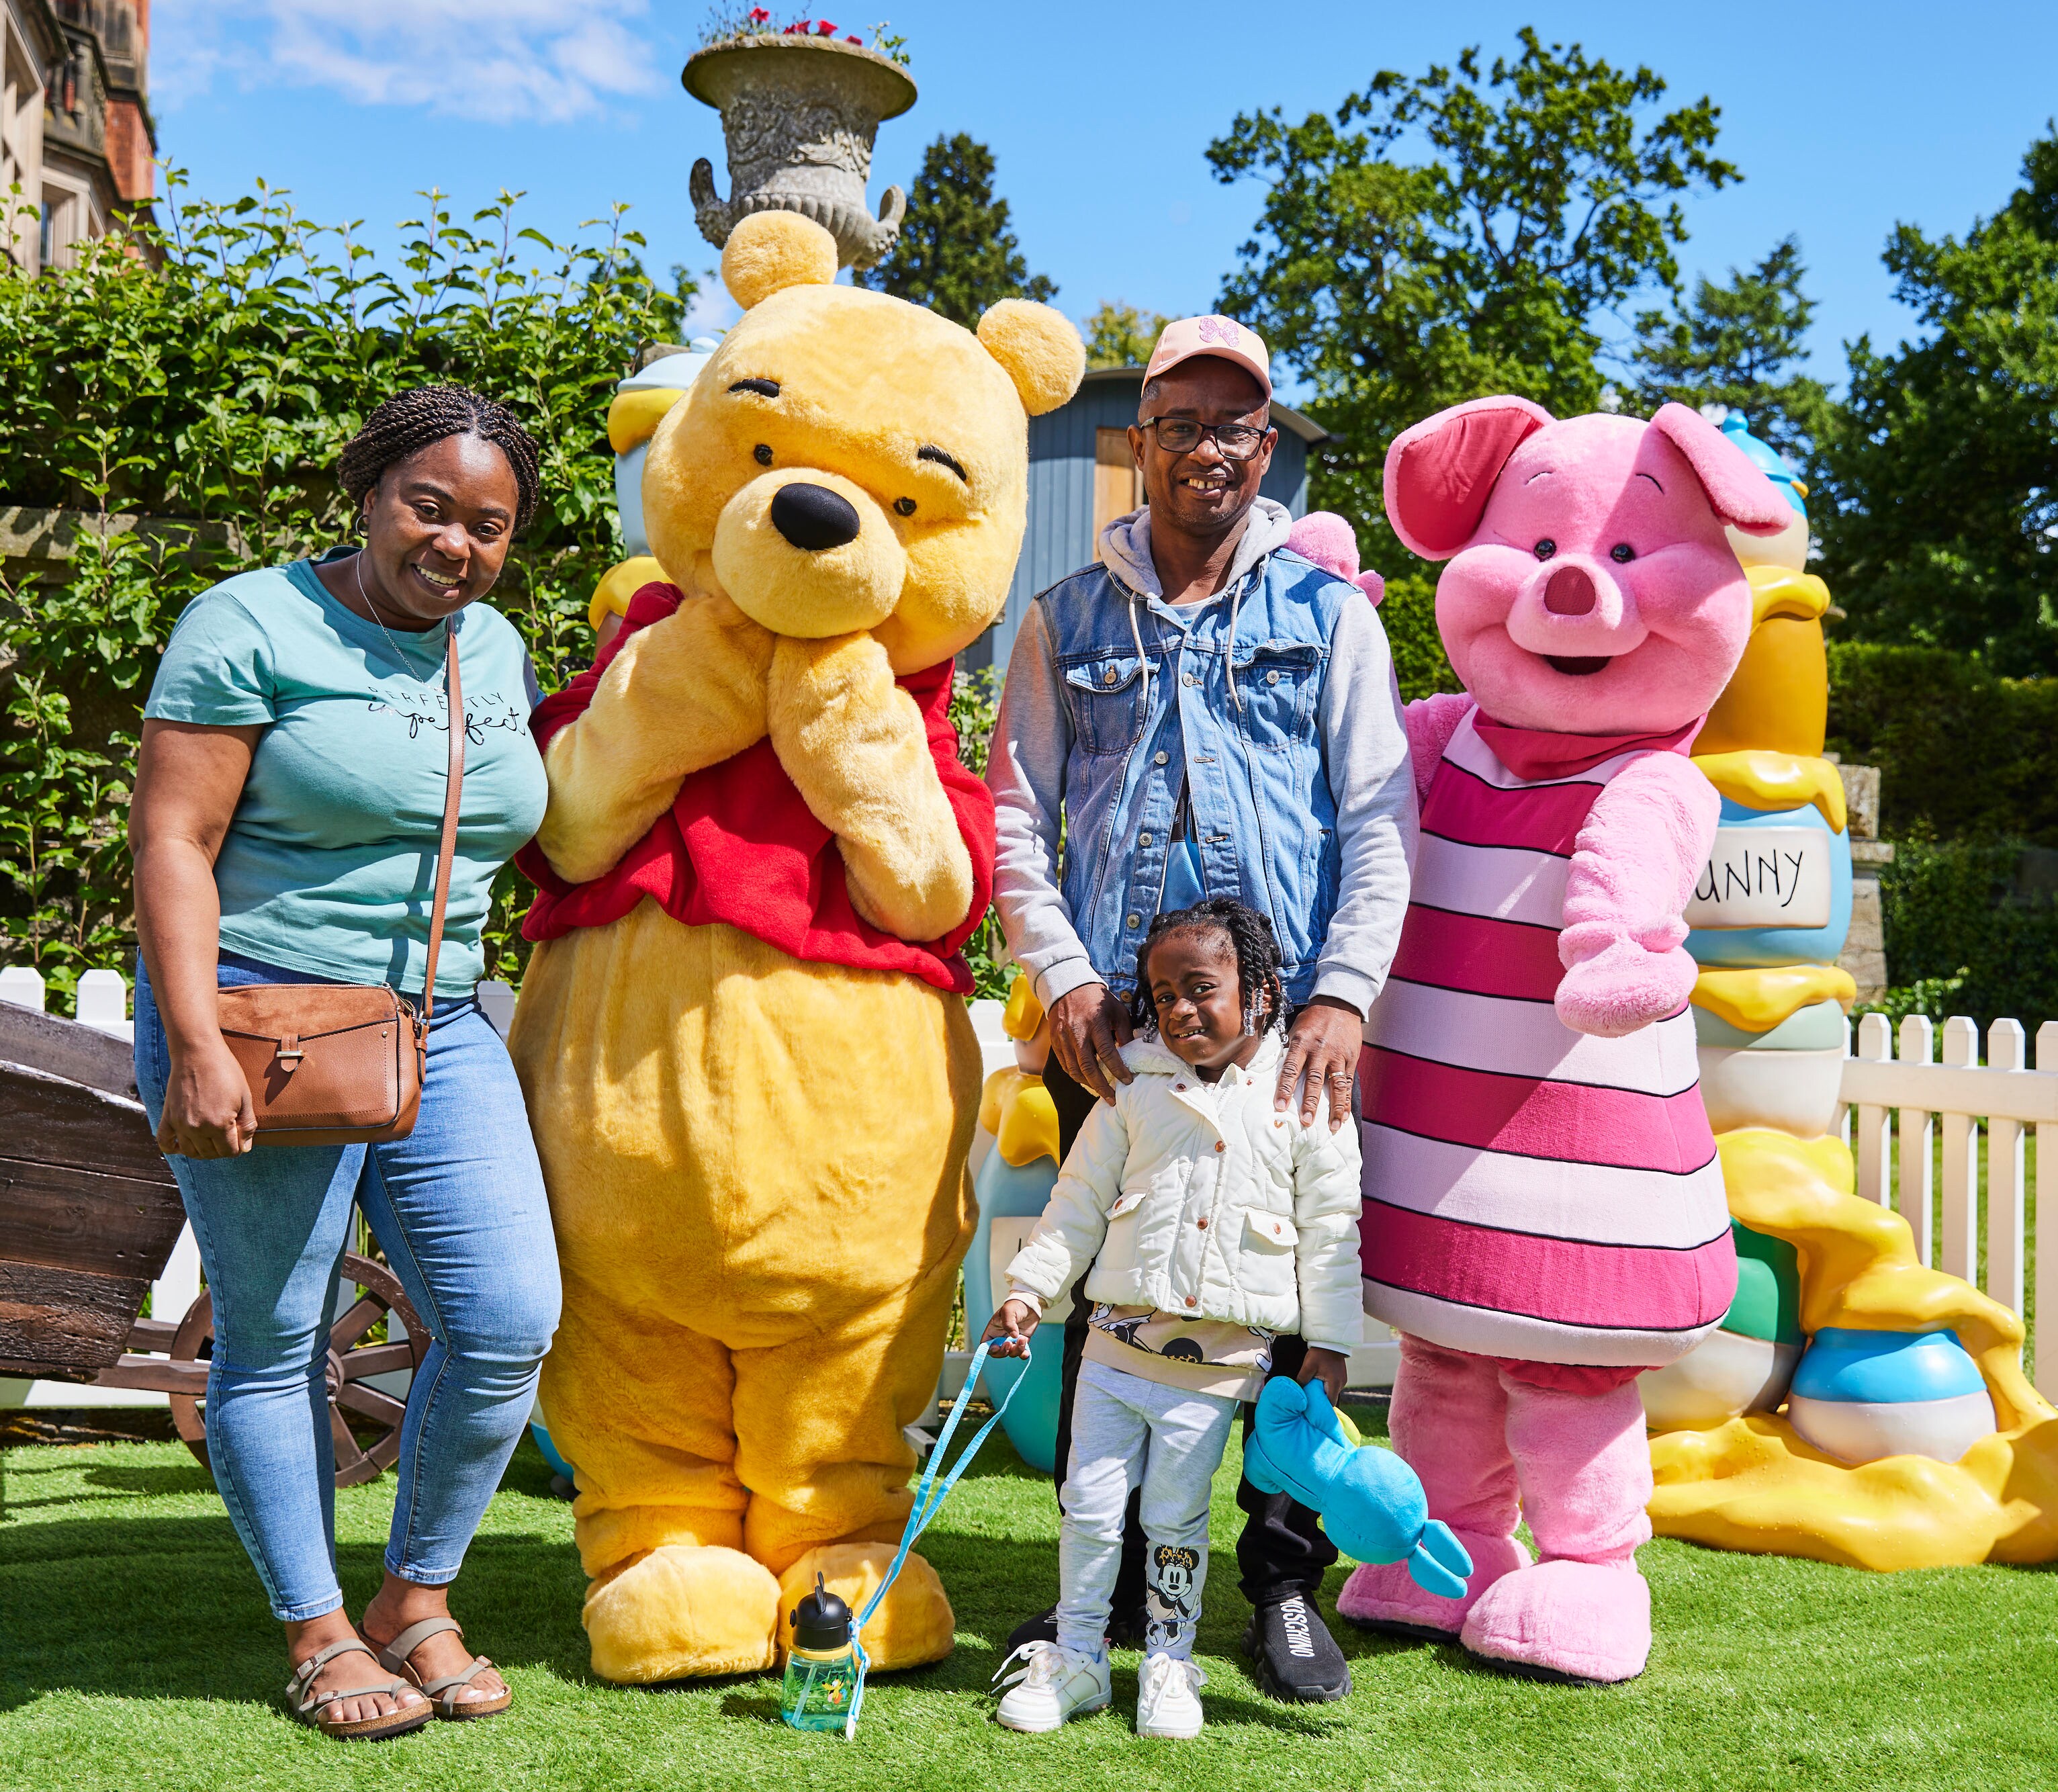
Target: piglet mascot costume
1544,1214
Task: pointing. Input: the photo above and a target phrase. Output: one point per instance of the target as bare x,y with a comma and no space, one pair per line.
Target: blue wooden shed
1082,477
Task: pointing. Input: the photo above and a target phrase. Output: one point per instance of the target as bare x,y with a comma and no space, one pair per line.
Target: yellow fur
757,1166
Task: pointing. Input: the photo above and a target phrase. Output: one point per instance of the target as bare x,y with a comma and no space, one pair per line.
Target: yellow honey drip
1762,779
1757,1001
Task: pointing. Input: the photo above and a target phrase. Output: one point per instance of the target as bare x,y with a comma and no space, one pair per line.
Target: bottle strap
453,795
929,1496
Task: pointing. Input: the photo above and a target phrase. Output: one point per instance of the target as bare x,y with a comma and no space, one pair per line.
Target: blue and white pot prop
1859,1396
1789,1077
1776,890
673,376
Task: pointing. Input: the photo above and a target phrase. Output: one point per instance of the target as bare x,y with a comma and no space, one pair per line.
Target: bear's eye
763,451
904,507
1622,553
764,388
1546,548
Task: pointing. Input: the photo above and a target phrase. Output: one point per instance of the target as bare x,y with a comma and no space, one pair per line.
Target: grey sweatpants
1127,1431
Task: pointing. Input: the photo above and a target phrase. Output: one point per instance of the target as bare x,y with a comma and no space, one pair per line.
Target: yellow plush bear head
848,461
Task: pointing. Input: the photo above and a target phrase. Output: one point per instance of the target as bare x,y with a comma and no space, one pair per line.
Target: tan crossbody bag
342,1063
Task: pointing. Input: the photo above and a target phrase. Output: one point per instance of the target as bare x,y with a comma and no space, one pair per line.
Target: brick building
76,136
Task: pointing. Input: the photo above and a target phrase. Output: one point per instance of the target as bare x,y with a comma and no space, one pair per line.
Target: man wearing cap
1205,712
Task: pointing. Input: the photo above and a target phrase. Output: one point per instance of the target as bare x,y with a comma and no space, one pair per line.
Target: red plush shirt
740,844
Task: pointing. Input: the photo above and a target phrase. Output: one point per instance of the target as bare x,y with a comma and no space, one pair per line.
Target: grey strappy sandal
443,1693
312,1707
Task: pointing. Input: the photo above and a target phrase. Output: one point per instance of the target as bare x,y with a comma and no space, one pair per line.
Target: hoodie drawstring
1235,604
1142,658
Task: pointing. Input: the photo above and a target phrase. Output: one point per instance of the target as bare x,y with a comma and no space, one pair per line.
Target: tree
1542,198
957,253
1736,345
1120,336
1941,470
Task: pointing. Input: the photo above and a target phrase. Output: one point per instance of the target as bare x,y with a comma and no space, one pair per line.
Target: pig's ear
1743,496
1439,474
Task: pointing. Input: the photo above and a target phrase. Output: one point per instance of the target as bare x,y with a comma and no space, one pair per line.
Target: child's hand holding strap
1010,1328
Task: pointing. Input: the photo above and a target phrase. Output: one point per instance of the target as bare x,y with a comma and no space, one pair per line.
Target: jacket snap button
1193,1301
1135,920
1109,677
1220,1146
1143,839
1159,759
1272,677
1202,1224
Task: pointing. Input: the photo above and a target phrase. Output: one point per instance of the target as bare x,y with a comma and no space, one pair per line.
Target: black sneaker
1297,1660
1124,1629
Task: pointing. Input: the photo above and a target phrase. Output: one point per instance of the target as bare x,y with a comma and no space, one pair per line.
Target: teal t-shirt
329,862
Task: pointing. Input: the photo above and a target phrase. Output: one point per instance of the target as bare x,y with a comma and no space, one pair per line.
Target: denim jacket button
1159,759
1143,839
1135,920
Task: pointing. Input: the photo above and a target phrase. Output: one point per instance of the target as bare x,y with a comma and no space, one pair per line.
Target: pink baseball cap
1189,336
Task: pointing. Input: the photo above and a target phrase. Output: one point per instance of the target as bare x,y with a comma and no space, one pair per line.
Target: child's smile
1197,998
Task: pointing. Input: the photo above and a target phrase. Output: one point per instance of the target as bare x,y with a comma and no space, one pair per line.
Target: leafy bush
1963,754
1969,931
185,392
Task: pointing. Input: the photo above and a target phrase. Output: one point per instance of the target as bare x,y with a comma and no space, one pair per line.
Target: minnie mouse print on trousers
1212,1223
1544,1215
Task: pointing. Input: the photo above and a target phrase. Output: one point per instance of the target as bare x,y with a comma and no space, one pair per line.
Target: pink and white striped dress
1531,1191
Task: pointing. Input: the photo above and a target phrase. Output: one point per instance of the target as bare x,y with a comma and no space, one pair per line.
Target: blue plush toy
1371,1504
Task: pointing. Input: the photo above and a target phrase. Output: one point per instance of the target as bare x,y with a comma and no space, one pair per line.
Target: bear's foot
1384,1596
682,1612
914,1624
1563,1620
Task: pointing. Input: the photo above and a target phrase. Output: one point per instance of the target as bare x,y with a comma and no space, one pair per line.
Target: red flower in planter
824,29
758,15
858,41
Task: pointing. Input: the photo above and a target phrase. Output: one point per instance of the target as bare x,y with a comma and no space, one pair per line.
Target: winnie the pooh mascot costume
742,1035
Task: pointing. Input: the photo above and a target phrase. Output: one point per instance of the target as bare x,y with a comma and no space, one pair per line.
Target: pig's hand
1431,721
1633,870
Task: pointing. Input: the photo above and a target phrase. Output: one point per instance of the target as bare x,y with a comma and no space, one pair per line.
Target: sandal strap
320,1658
394,1656
391,1689
450,1682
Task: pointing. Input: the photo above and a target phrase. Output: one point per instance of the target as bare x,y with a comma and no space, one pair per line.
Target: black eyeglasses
1181,435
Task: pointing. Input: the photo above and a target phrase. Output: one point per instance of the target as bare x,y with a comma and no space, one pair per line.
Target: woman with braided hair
286,829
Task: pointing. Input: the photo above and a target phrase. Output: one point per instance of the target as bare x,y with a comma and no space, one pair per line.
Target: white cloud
502,62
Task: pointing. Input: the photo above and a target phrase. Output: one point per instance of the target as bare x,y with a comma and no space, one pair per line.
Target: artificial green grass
136,1653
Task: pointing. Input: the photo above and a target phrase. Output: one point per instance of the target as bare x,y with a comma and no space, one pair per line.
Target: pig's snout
1570,592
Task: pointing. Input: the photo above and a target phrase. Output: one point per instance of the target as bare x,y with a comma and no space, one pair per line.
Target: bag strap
446,851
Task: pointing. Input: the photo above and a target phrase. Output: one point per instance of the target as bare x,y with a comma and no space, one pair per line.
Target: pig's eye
1622,553
1546,548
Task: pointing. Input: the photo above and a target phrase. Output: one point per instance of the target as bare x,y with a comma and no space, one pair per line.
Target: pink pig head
1590,589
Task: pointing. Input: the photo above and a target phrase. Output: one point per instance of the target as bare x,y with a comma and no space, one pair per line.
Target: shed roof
1284,416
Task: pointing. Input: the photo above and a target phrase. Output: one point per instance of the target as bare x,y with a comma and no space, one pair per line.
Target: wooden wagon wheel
351,1361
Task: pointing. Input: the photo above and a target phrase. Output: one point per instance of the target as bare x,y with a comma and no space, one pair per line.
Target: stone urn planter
799,115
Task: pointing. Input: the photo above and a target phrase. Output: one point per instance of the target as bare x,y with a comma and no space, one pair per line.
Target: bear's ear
1440,473
768,252
1040,349
1741,495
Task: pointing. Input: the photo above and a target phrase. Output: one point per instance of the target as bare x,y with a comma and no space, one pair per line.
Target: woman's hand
208,1112
1329,1367
1012,1326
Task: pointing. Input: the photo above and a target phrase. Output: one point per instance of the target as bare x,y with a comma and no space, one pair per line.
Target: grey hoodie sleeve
1025,769
1364,746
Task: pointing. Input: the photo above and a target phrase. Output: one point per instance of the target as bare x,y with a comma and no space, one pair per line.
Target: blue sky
1845,118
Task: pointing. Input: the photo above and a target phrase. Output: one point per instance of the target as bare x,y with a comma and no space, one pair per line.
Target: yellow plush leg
913,1626
679,1612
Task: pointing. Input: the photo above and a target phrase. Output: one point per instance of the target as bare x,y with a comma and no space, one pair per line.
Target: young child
1213,1224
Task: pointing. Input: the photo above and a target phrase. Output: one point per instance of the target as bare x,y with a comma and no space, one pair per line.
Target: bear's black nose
814,518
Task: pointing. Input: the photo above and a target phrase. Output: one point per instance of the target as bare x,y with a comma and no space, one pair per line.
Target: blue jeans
458,1208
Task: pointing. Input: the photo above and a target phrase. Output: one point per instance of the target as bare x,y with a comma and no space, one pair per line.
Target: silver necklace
406,664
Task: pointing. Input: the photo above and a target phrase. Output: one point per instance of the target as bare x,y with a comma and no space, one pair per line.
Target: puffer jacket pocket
1117,1252
1265,1266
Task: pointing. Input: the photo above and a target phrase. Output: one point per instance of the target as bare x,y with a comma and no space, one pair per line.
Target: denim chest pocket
1278,682
1105,692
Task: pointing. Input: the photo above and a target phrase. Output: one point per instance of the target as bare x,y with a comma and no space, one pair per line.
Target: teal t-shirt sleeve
217,669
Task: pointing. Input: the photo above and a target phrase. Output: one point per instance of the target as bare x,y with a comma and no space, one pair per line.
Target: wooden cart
89,1214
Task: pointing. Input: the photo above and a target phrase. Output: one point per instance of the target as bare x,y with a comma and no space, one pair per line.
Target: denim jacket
1272,702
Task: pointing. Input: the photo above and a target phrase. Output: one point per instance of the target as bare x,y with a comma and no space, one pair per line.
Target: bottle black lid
821,1620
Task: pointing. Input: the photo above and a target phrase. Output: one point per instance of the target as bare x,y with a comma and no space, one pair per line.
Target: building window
46,248
1118,481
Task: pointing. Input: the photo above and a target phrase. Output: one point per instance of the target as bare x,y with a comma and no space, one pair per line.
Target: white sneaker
1168,1702
1055,1684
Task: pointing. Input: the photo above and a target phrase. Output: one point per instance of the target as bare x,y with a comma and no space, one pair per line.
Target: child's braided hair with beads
1250,937
422,415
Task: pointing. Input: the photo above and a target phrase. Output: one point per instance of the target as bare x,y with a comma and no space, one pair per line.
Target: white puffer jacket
1197,1199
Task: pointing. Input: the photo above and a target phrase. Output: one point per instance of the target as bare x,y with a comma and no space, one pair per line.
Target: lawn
135,1653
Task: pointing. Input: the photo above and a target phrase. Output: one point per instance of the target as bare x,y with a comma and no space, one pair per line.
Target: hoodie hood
1125,546
1152,1057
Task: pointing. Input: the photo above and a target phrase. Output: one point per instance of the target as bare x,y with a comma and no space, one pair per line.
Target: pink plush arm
1633,867
1431,723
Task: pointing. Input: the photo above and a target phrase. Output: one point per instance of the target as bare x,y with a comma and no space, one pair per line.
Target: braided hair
1258,961
410,421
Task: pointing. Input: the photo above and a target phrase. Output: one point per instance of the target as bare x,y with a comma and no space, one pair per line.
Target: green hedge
1974,921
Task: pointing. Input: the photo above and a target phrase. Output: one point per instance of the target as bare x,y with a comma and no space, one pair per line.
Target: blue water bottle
821,1667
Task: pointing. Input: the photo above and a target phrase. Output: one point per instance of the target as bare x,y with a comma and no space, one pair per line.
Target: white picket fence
1955,1094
